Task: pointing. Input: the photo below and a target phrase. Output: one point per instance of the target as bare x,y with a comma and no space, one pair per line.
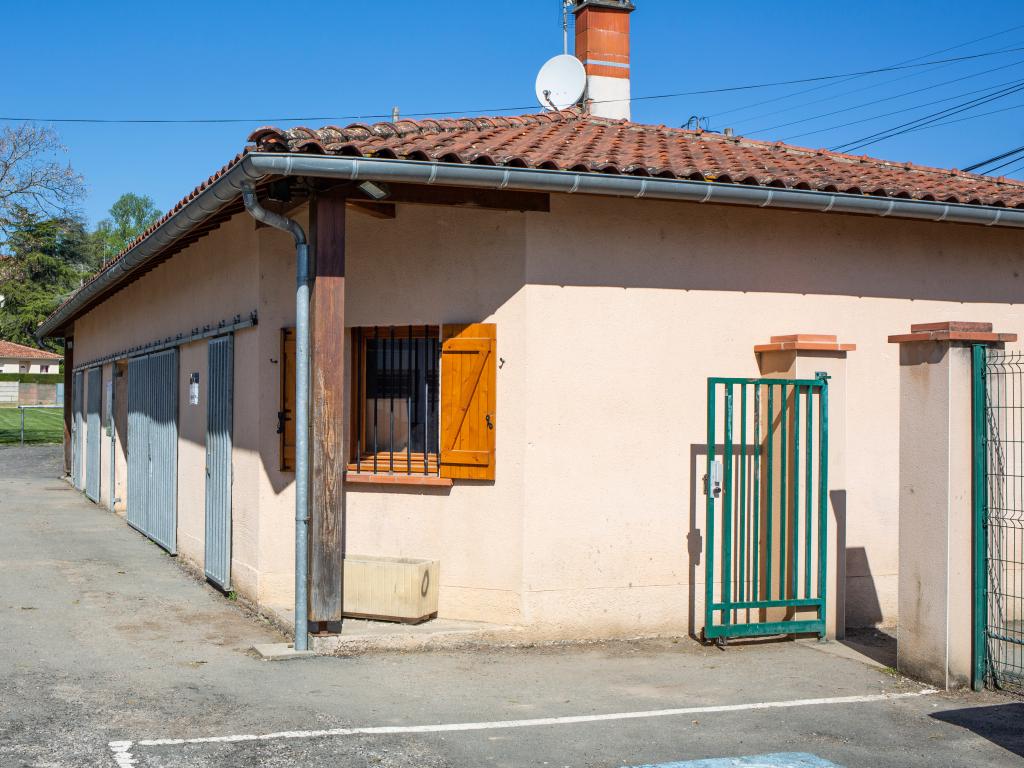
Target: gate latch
713,480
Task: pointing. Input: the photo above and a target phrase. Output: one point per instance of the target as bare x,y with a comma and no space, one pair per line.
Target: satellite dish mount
561,82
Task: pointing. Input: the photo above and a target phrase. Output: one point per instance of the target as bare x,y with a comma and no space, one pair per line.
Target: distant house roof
20,351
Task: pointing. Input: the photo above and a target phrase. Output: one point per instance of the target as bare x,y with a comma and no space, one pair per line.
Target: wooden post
327,407
69,363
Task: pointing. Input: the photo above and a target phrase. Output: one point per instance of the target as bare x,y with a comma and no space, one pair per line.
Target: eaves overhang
255,167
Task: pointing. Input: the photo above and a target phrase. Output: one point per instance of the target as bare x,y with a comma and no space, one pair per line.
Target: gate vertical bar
783,484
727,501
743,495
769,501
709,505
979,448
823,501
809,490
795,530
755,572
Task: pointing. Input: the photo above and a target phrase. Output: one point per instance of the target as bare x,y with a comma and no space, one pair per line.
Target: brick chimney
602,44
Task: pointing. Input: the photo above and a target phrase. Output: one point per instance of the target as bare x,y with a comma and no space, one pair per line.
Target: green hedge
32,378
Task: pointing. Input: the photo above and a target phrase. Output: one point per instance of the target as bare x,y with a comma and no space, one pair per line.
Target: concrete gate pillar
803,356
935,549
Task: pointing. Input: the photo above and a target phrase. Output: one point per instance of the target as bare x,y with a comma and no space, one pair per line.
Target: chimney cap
613,5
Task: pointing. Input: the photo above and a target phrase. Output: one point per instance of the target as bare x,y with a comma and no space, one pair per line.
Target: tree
130,216
31,176
48,258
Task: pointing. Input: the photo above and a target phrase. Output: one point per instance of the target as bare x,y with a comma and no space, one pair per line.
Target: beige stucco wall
16,365
434,266
191,453
611,315
120,438
106,374
212,280
632,305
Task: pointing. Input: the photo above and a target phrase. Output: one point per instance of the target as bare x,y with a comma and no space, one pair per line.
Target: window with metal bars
396,404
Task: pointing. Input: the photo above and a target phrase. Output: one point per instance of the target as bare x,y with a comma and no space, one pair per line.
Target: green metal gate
998,428
767,501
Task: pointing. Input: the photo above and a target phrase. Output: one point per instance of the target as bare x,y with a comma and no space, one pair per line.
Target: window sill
421,480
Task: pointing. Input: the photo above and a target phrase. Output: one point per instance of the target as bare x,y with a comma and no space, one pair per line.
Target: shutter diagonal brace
469,392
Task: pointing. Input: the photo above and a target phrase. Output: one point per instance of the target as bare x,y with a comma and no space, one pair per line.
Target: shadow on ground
1002,724
879,645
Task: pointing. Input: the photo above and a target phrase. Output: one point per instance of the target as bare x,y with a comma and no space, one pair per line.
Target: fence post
938,483
22,409
805,356
979,449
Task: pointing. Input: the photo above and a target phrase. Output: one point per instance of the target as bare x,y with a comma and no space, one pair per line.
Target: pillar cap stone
805,342
953,330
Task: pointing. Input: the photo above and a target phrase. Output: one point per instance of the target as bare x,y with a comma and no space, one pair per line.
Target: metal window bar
357,340
766,535
998,420
396,380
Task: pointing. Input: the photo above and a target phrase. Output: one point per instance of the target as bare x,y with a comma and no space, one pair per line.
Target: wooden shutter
468,421
286,416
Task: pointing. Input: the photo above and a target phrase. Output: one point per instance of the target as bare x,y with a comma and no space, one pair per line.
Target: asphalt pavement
112,654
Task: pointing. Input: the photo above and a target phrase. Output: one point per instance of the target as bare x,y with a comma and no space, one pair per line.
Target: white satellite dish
561,82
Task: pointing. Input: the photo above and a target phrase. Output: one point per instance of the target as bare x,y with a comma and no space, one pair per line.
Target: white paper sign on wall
193,388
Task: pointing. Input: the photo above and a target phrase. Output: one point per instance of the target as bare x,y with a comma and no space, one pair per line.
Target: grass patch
42,425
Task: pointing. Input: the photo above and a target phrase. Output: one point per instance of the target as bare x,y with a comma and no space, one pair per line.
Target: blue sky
271,60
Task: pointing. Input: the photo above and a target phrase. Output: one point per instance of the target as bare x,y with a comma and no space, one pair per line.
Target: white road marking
122,753
123,757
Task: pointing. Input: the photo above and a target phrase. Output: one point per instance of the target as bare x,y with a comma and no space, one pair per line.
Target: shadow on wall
867,608
863,607
732,248
838,589
694,540
1000,724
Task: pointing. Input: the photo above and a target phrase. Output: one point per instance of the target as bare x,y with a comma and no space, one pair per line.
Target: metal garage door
219,403
153,446
94,393
77,409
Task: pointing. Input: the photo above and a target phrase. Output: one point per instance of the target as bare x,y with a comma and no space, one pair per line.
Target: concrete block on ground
280,651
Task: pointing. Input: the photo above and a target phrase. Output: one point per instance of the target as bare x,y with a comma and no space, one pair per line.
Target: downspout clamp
302,283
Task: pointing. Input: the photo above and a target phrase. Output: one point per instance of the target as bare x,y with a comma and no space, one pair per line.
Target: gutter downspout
302,283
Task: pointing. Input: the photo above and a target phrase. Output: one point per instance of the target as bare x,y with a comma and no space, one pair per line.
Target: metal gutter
614,185
256,166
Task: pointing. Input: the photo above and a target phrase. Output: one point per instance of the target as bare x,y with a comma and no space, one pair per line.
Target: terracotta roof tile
572,141
20,351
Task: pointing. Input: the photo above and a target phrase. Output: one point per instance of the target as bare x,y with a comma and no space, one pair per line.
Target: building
512,324
18,358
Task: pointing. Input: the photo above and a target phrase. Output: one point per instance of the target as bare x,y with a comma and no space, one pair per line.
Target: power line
997,157
1014,170
897,130
931,125
897,111
858,90
890,98
1011,161
703,92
